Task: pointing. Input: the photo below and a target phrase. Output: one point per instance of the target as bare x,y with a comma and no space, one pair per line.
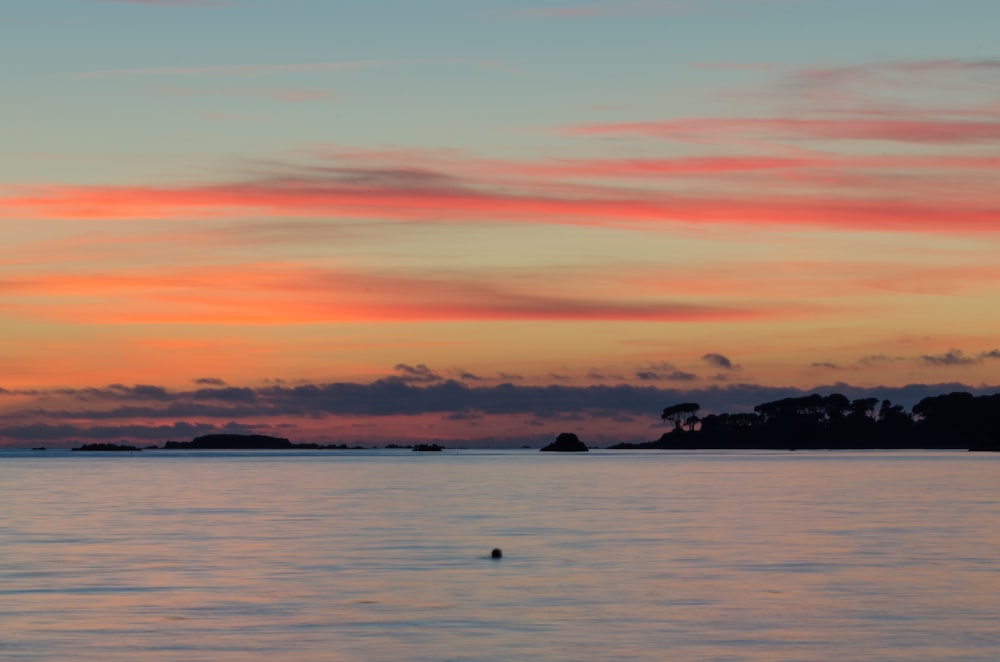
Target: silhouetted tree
836,406
729,429
864,408
889,411
854,426
677,414
895,426
792,421
953,420
959,417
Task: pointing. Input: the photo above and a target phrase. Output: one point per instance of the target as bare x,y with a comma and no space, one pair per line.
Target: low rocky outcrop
567,442
107,447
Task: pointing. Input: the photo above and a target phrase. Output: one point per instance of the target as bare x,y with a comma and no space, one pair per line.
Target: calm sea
384,555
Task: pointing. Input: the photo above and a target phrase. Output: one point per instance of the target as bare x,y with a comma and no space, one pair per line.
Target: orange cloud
804,281
285,294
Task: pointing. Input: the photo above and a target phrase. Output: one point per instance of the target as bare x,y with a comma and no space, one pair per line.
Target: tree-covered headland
957,420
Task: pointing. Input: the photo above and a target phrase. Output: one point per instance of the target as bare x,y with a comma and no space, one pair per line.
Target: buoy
497,553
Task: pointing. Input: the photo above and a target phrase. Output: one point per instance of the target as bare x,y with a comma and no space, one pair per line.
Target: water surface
384,555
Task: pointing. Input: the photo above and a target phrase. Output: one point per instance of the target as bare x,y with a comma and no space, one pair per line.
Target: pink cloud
887,100
949,73
405,196
925,179
457,162
870,72
931,131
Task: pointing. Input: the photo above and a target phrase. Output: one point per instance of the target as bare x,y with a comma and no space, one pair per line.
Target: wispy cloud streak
275,294
933,131
174,3
253,70
605,9
625,9
401,201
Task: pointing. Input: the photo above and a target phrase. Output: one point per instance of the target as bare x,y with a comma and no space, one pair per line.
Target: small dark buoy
497,553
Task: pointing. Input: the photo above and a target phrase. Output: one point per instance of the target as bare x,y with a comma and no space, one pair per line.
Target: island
105,448
566,442
232,442
428,448
957,420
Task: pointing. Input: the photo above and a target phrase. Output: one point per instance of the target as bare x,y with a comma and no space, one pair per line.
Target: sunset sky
488,221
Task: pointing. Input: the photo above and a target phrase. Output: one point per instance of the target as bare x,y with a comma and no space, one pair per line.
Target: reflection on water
385,555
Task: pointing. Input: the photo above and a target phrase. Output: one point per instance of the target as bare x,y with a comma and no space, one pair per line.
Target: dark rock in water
567,442
107,447
497,553
428,447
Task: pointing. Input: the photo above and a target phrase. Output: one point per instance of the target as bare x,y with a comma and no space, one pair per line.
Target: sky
486,222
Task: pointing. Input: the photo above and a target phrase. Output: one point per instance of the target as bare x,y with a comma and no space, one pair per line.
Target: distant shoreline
954,421
231,442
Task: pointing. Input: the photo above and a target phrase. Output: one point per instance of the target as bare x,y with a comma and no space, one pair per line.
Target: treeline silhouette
956,420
